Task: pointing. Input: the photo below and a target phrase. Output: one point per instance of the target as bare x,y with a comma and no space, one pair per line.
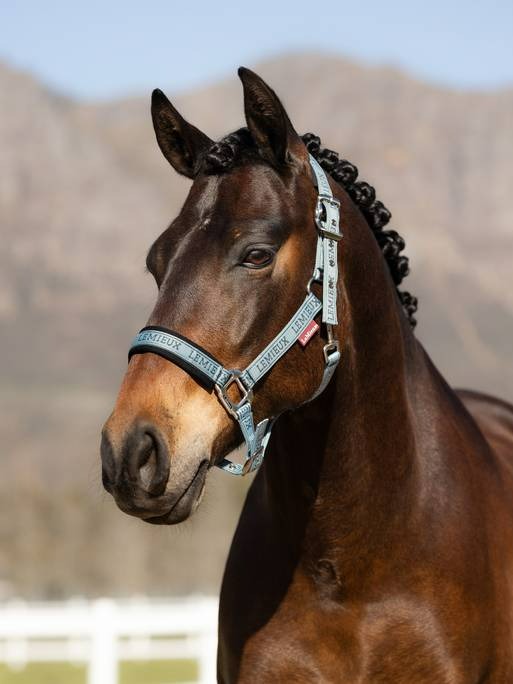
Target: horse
375,544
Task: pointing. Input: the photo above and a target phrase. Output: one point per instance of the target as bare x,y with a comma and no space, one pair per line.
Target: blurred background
418,95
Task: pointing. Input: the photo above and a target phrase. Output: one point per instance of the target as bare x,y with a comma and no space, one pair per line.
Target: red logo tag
307,335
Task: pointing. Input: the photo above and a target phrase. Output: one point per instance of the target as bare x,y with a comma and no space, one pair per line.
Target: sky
103,49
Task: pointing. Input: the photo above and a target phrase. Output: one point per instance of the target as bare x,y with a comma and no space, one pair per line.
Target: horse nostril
106,480
108,463
148,460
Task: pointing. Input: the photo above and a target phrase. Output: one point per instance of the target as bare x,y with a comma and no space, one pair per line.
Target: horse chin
172,507
190,499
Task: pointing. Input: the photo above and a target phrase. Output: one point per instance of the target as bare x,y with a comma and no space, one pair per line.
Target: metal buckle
229,405
326,232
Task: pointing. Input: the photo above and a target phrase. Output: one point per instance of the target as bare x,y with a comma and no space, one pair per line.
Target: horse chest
294,629
362,644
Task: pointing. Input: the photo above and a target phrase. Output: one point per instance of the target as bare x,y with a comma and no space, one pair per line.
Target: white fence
103,632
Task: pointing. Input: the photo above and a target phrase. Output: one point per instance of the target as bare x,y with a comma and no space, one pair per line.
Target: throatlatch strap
332,358
326,262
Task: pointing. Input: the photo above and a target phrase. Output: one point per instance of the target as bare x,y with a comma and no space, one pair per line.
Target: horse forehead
205,197
243,190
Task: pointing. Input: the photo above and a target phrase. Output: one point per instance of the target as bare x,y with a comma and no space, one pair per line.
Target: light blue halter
203,366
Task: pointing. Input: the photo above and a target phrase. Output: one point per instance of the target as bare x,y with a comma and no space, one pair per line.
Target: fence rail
101,633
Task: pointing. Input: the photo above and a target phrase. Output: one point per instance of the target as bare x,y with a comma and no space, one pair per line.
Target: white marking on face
207,201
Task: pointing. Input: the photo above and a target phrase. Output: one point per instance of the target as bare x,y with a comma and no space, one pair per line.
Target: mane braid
375,213
239,147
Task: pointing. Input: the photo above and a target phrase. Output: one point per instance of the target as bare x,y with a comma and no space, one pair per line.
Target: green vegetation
151,672
44,673
158,672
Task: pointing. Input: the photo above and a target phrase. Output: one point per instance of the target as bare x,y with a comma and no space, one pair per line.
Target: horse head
231,269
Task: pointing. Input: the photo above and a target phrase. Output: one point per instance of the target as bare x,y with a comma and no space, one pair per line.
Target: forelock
234,149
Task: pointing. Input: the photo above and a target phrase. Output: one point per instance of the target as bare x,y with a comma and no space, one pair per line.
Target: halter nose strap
182,352
213,375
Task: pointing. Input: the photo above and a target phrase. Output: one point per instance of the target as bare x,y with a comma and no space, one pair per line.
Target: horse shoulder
495,420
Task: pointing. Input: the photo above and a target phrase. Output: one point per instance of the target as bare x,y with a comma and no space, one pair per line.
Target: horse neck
348,458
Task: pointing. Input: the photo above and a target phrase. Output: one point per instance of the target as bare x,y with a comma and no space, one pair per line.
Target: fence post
103,664
207,660
16,653
16,647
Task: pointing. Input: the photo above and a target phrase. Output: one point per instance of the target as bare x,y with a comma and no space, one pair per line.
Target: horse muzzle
137,470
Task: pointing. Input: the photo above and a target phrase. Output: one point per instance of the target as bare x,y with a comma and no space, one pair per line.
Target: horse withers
376,541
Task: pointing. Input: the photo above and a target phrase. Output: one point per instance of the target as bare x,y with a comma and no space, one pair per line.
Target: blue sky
103,49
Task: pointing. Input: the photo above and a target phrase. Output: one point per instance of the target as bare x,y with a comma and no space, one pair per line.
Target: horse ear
268,121
181,142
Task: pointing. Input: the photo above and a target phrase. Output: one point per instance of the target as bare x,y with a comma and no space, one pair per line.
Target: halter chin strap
213,375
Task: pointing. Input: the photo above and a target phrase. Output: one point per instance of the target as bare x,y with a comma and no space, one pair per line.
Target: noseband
213,375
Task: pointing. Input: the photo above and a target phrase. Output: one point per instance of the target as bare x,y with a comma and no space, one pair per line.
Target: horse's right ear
181,143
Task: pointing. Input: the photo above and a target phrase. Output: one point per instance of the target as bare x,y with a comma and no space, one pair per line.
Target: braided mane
240,144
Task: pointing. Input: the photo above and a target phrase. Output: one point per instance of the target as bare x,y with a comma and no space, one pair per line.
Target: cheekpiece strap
283,341
327,213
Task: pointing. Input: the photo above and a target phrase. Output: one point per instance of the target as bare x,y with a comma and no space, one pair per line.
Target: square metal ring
246,394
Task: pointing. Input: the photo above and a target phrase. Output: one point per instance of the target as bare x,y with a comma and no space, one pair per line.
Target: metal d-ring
316,278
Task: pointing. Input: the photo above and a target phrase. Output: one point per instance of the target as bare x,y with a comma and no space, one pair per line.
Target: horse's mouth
188,501
170,508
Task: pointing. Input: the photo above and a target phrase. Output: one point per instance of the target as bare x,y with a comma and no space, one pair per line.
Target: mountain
84,190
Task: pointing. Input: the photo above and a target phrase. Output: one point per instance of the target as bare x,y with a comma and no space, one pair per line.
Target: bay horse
376,541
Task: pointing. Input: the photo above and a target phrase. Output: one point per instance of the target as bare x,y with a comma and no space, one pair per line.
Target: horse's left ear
268,122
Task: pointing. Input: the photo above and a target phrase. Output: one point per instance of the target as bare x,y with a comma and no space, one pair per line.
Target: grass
44,673
151,672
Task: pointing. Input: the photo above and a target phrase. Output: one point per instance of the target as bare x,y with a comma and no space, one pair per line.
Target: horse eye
258,258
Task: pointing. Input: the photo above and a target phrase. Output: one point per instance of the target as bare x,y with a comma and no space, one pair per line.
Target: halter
213,375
